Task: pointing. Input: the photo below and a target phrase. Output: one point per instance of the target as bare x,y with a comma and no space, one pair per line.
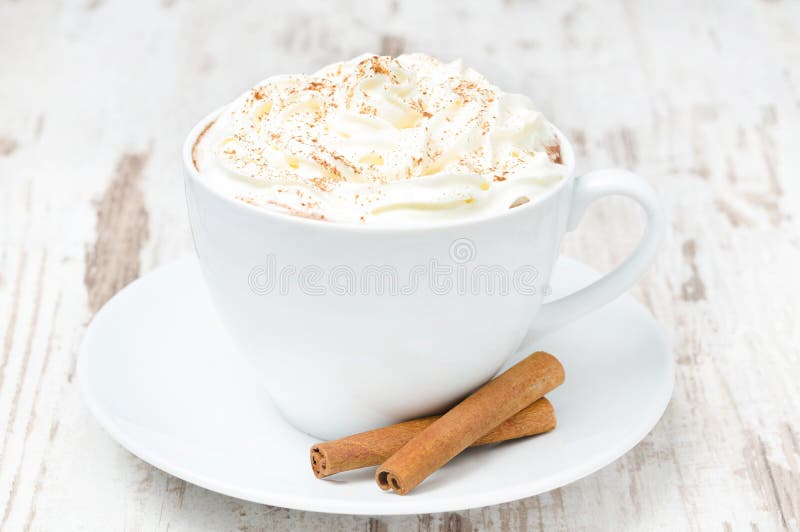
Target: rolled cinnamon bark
493,403
373,447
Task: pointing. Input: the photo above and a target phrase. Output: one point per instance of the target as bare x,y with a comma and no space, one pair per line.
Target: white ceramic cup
345,340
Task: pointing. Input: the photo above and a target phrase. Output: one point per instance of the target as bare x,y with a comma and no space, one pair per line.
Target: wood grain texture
700,97
122,229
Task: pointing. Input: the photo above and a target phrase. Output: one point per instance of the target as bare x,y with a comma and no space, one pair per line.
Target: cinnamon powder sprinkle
297,135
554,152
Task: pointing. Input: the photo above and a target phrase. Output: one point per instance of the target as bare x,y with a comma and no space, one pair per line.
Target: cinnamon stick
493,403
373,447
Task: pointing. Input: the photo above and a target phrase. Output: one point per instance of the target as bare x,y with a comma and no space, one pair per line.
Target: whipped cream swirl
381,140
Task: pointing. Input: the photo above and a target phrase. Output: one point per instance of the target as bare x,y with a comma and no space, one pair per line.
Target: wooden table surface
702,98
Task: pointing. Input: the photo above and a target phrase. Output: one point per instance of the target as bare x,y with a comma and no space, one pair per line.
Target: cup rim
567,153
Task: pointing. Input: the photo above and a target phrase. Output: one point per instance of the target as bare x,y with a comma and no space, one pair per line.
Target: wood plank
699,97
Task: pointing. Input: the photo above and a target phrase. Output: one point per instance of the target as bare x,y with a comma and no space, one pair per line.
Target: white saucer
161,376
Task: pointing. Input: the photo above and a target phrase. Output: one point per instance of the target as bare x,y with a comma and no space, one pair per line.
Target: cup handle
590,187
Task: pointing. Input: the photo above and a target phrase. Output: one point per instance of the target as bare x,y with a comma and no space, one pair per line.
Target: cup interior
191,171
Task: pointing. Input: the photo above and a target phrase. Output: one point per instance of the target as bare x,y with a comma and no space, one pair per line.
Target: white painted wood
702,98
